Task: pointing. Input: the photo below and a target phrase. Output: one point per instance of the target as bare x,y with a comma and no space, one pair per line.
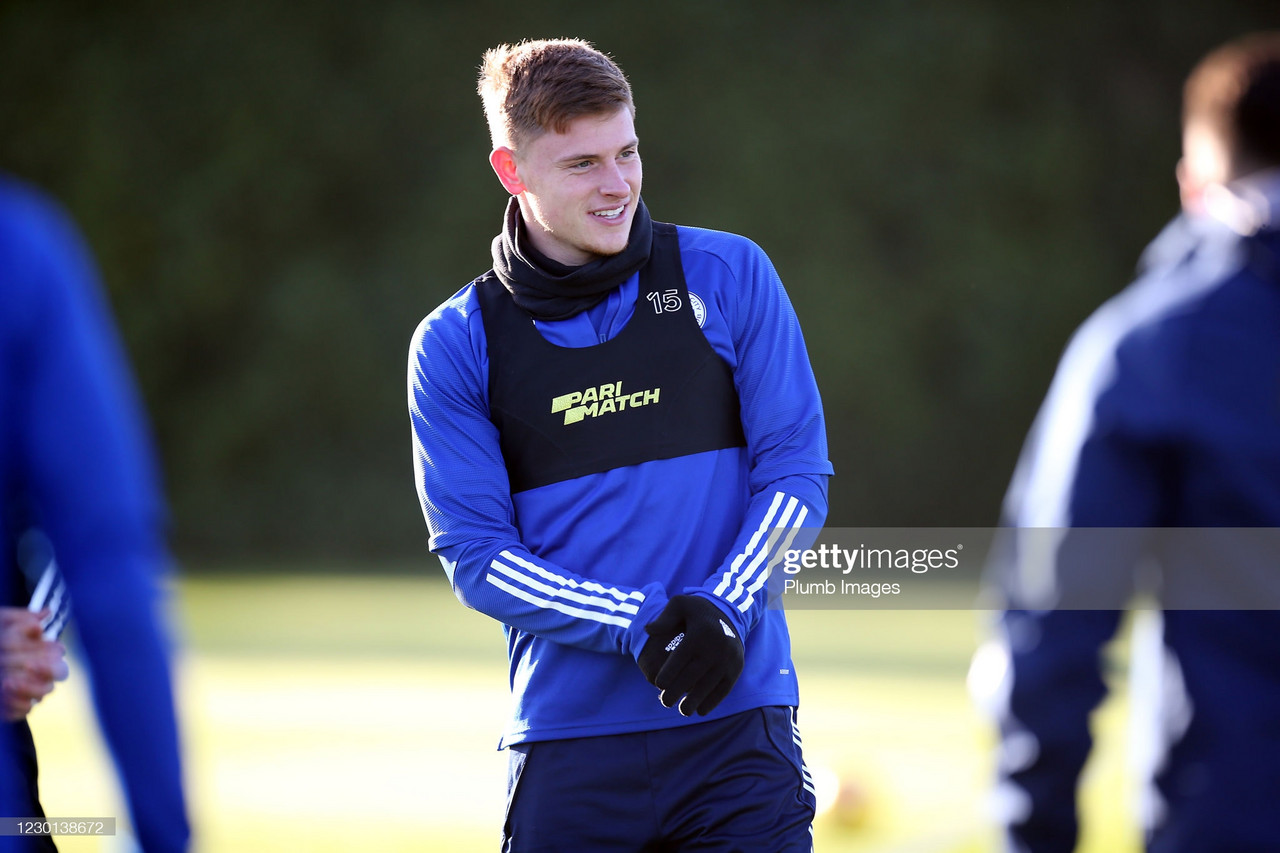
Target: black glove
692,652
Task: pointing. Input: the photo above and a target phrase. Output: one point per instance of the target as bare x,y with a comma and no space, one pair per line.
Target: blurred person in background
77,479
616,434
1163,421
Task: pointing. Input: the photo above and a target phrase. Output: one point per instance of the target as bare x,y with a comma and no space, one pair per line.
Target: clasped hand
693,655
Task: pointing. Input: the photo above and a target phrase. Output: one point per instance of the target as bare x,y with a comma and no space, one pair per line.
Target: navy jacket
1164,414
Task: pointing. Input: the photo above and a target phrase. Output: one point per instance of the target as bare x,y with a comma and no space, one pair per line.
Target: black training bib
656,390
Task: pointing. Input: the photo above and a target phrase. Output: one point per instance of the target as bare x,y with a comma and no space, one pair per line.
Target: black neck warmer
550,290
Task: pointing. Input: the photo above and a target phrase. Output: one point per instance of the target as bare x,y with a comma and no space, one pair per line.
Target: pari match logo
600,400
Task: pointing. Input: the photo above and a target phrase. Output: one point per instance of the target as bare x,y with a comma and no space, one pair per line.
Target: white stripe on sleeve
777,558
563,592
514,560
569,610
759,562
751,545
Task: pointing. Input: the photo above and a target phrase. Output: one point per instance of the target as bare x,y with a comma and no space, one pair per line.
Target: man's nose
613,181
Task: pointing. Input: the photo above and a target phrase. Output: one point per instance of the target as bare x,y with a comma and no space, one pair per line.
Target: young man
1163,424
75,462
616,435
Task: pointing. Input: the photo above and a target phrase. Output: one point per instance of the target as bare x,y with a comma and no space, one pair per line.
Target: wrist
655,600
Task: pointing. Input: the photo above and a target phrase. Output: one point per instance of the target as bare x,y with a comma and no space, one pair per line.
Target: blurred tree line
278,192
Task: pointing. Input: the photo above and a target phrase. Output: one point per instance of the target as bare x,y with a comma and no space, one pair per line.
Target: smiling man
617,435
579,186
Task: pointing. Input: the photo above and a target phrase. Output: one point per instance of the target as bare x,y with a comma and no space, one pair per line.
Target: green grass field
325,713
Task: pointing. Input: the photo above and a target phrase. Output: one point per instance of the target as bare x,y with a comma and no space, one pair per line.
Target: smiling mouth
609,214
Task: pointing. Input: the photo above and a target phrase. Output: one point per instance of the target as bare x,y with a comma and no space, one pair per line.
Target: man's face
579,189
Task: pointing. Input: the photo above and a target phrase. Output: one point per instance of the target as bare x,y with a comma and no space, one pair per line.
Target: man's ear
1189,192
503,161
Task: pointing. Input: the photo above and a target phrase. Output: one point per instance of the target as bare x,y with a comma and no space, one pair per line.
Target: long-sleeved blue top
75,460
574,570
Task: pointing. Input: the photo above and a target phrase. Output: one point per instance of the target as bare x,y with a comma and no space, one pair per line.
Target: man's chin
613,243
605,250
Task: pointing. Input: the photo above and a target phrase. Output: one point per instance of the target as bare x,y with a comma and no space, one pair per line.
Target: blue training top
575,569
1164,413
75,460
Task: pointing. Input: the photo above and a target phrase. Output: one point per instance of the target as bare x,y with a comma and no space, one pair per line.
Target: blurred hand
30,665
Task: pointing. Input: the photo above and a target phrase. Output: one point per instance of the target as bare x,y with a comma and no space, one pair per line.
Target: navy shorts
736,784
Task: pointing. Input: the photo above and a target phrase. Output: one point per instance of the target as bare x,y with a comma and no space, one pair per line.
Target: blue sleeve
781,408
466,500
787,514
1090,482
84,459
1053,683
786,434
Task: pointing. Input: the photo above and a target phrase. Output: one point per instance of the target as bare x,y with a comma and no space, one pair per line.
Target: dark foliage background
277,192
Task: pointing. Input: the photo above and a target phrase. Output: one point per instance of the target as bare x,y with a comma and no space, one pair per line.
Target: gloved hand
692,652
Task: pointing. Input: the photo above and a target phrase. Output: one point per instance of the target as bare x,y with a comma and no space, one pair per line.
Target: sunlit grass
327,713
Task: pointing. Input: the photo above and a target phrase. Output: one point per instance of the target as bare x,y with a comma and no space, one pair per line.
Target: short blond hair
537,86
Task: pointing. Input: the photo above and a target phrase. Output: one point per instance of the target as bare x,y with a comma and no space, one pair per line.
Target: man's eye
582,165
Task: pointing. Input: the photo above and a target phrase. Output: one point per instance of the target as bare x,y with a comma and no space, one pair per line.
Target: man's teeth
616,211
